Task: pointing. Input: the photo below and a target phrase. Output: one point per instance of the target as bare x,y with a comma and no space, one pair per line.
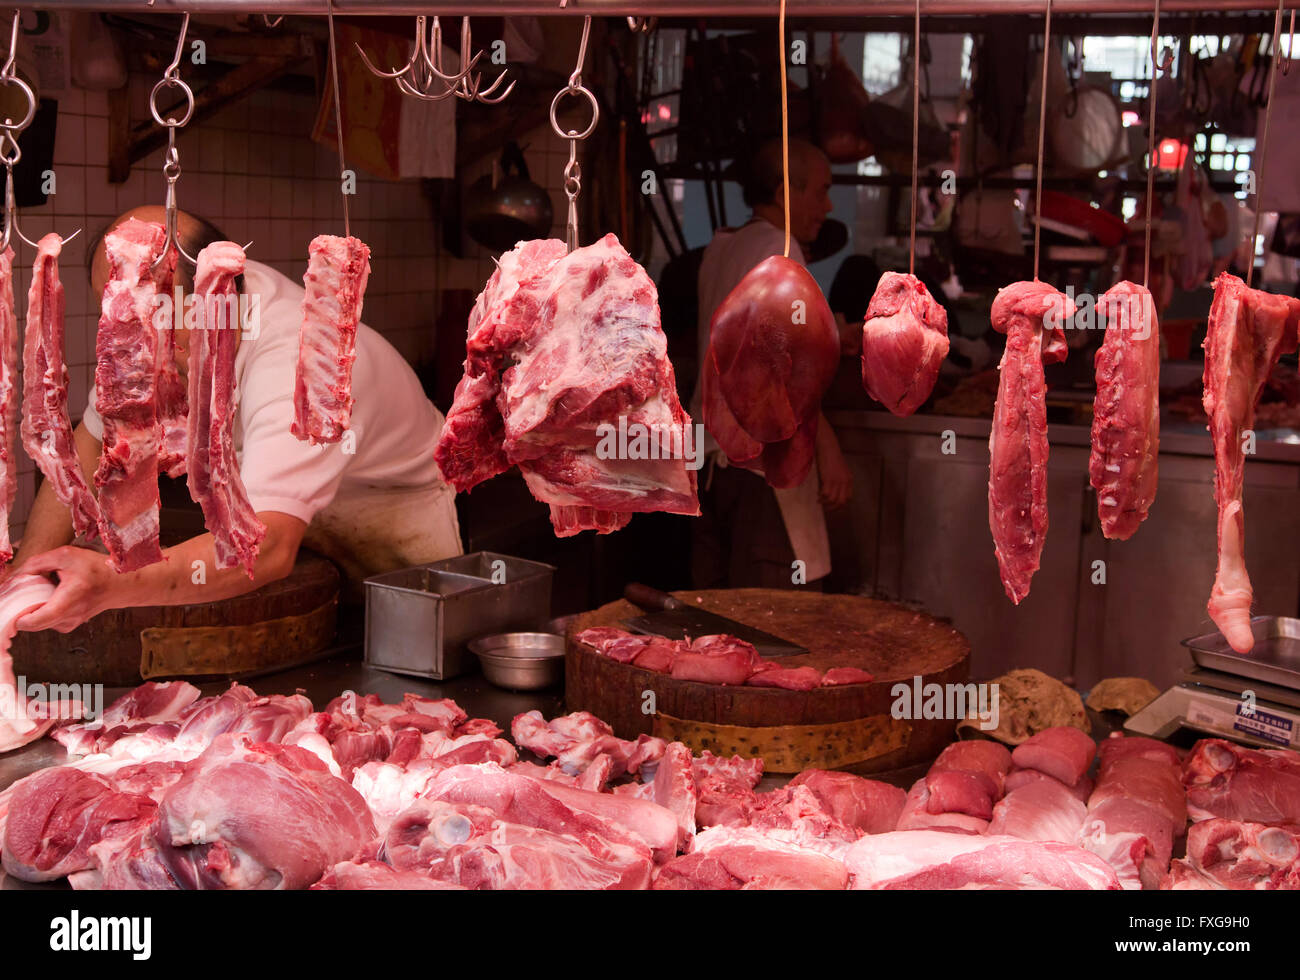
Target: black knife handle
650,599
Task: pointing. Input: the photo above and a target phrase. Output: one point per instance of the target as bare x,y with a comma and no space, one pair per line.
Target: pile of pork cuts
170,790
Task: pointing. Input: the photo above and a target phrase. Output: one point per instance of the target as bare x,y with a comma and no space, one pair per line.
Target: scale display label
1268,725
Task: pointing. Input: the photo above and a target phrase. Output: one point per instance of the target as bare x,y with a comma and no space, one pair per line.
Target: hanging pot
501,212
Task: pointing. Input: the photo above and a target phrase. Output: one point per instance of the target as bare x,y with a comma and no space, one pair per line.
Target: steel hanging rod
711,9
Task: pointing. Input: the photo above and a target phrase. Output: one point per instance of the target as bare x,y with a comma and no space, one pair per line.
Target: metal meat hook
10,153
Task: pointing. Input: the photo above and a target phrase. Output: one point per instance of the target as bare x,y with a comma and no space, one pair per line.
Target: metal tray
1275,658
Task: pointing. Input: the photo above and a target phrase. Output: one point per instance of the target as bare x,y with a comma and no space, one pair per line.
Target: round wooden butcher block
278,625
849,727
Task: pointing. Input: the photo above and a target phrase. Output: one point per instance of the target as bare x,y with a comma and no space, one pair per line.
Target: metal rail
660,8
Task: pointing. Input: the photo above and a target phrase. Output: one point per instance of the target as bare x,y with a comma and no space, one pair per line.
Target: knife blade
670,617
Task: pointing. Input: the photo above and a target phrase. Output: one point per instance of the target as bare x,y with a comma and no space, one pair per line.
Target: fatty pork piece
577,740
1064,753
1018,445
246,816
1256,785
1126,412
46,428
1044,810
1136,812
377,876
1018,778
1238,855
967,777
126,392
773,351
561,344
904,341
472,846
924,859
334,290
867,805
732,858
56,815
141,708
23,721
640,825
1247,331
923,812
8,400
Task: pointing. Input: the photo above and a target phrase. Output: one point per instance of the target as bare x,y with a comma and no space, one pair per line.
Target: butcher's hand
85,588
832,471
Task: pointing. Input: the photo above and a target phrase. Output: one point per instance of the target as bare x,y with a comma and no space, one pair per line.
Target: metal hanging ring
573,134
9,124
171,81
7,142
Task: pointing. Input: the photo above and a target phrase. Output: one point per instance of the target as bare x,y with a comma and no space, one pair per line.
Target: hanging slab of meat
1018,440
773,350
904,340
8,400
935,859
1123,465
1248,329
567,376
213,469
337,270
23,721
46,429
173,400
126,396
1224,779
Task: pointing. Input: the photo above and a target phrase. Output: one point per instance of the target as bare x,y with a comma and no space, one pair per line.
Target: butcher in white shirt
372,503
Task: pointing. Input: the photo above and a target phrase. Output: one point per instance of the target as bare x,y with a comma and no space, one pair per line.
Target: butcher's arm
832,470
88,585
49,525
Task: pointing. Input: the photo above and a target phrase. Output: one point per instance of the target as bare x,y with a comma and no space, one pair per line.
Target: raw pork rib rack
557,345
127,391
47,431
8,400
337,270
214,480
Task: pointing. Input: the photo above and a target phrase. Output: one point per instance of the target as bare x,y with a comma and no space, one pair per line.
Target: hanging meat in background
904,340
1018,441
46,429
337,271
214,480
560,344
1126,412
1248,330
8,400
773,351
126,394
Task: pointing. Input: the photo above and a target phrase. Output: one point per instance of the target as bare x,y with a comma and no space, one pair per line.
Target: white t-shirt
395,425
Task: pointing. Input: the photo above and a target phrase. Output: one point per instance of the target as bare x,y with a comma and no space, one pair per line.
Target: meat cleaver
675,619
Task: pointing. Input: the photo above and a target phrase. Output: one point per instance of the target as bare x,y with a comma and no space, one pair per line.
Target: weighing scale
1250,698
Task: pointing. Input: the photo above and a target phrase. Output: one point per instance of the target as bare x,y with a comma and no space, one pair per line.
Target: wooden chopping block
280,624
849,727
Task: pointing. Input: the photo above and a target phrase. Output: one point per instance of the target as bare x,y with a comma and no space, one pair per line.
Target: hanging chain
573,170
1042,124
1262,145
1158,67
172,160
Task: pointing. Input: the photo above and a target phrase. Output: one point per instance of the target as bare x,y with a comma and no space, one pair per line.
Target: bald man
749,535
380,507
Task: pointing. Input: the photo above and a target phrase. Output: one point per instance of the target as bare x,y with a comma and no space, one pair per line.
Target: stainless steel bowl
521,661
